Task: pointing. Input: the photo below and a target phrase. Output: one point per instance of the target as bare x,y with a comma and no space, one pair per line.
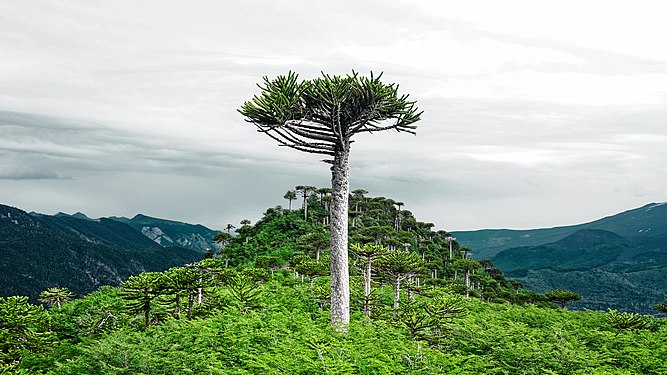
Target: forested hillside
644,225
617,262
420,305
38,252
170,233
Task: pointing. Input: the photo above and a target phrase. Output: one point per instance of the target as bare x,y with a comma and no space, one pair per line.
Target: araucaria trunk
367,288
340,278
397,295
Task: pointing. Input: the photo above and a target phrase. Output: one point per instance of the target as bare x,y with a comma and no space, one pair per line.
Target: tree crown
321,115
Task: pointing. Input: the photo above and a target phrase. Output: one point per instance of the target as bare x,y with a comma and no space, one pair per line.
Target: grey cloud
27,173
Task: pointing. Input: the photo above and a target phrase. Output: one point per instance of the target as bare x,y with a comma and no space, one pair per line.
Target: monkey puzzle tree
305,192
314,242
368,253
140,291
562,297
321,116
55,297
400,265
290,196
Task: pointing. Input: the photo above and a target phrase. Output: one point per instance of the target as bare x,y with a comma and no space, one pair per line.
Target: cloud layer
115,108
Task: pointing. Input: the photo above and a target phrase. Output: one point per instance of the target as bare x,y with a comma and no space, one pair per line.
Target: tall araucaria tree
321,116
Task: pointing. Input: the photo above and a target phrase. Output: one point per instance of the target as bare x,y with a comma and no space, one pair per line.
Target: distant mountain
102,231
40,251
616,262
582,250
172,233
641,225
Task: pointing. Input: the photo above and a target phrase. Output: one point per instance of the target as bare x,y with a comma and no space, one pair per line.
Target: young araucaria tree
321,116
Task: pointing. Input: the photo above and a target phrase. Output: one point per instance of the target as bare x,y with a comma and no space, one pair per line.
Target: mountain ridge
647,221
39,251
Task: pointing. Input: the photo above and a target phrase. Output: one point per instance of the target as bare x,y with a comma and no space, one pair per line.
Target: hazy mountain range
39,251
618,262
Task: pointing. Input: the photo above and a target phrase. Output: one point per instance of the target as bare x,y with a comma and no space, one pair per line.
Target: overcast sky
536,113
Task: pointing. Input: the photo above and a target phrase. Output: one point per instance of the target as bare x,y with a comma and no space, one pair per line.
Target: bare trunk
397,295
340,277
317,254
467,281
367,289
200,292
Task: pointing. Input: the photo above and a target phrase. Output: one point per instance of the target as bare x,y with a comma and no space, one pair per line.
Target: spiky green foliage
562,297
23,330
55,297
627,321
321,114
291,334
427,319
140,291
245,291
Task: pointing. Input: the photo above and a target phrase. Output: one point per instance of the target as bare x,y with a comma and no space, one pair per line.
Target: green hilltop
260,305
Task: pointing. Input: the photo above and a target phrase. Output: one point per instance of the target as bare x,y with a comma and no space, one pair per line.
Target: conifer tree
321,116
55,297
290,196
400,265
368,253
141,290
562,297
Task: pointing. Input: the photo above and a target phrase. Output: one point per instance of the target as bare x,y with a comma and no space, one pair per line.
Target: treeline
299,239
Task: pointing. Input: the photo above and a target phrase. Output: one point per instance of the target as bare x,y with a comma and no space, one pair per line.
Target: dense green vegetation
261,305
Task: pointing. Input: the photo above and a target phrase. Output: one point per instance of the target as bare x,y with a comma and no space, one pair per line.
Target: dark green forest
420,305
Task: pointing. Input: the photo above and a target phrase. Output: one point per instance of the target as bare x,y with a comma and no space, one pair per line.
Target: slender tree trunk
200,292
340,277
317,254
467,282
367,288
397,295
